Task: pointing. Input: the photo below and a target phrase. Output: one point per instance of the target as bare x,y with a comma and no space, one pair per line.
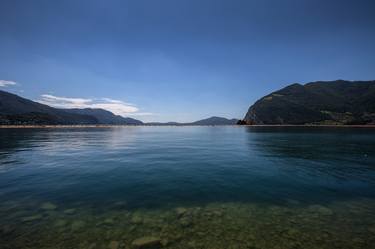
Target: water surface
187,187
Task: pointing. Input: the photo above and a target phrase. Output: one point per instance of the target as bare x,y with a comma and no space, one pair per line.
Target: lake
187,187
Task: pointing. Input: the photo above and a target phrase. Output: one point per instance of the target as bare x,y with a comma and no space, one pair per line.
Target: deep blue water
167,167
150,166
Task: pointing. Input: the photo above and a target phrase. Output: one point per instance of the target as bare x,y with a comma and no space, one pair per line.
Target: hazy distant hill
17,110
333,102
207,121
215,121
105,117
163,124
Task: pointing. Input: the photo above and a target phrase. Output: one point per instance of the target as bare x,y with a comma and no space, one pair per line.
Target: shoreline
122,126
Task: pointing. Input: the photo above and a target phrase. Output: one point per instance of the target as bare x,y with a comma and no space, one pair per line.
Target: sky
179,60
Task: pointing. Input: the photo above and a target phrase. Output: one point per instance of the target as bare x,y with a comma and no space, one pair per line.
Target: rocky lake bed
215,225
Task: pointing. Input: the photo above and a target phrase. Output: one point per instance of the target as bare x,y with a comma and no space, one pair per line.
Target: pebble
186,221
92,246
372,229
136,219
48,206
77,225
70,211
114,245
60,223
321,210
7,229
146,242
181,211
32,218
108,221
217,213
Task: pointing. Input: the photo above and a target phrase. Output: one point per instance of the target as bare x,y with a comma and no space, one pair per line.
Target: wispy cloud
63,102
118,107
5,83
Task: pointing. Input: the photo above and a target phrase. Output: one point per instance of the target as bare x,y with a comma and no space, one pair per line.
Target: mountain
321,102
215,121
164,124
15,110
18,110
207,121
105,117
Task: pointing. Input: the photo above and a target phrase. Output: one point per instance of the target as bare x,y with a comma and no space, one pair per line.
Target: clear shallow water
187,187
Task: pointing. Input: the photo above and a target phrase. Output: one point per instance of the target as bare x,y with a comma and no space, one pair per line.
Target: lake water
187,187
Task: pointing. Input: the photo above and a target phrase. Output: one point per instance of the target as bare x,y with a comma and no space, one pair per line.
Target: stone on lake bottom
372,229
108,221
7,229
48,206
32,218
145,242
114,245
92,246
70,211
136,219
60,223
186,221
181,211
77,225
321,210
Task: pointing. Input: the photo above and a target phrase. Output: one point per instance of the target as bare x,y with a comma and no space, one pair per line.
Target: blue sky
179,60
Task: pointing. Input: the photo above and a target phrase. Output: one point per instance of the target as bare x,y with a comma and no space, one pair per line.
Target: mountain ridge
211,121
105,116
16,110
320,102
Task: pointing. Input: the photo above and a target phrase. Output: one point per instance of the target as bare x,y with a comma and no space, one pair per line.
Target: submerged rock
92,246
321,210
32,218
114,245
6,230
181,211
164,242
48,206
186,221
77,225
372,229
61,223
218,213
108,221
145,242
136,219
120,204
70,211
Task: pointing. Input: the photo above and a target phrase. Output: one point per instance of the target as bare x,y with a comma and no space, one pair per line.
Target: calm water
187,187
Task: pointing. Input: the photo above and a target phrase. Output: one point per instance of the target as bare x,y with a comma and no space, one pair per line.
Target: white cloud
118,107
63,102
142,114
5,83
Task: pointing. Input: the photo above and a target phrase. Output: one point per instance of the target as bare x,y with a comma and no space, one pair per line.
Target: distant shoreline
119,126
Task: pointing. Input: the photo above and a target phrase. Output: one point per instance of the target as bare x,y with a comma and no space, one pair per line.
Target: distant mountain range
319,103
208,121
15,110
215,121
322,102
105,117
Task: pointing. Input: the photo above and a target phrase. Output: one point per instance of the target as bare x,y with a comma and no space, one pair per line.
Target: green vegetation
334,103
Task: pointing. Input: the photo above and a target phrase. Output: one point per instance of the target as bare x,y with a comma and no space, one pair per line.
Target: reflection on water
187,187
